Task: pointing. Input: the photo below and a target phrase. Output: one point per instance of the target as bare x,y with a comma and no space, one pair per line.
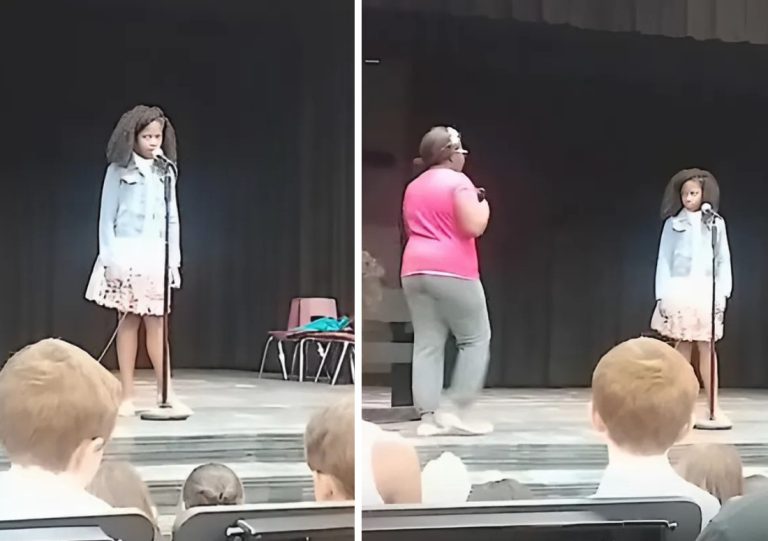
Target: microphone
707,210
162,158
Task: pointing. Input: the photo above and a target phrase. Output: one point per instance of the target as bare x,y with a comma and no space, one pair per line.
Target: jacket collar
681,221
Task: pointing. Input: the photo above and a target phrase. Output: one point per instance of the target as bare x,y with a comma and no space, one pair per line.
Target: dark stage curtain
726,20
261,95
575,134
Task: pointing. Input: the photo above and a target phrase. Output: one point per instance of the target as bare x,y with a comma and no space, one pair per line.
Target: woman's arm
471,215
108,214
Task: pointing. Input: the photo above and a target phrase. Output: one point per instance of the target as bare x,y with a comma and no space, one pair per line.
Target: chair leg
298,351
352,363
281,356
301,361
322,360
340,363
296,347
264,355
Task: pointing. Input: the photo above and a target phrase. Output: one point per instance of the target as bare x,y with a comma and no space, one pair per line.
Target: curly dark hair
123,137
671,204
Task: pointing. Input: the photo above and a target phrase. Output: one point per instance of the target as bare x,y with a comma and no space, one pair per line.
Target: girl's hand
175,278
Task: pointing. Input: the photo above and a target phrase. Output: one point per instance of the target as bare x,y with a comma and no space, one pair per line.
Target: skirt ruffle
134,282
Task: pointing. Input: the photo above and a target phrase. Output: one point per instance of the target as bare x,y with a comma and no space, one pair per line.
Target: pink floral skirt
685,315
134,282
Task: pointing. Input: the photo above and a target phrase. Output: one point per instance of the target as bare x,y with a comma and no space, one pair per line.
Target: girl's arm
664,260
723,262
174,235
107,215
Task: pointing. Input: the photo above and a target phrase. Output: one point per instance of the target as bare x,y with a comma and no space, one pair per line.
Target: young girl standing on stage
684,270
128,275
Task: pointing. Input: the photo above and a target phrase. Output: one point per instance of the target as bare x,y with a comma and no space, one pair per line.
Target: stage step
264,447
276,448
289,448
478,454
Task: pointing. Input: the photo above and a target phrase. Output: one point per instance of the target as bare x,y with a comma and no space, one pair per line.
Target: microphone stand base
713,424
164,412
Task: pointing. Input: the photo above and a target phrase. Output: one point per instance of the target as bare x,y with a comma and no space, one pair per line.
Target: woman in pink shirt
444,213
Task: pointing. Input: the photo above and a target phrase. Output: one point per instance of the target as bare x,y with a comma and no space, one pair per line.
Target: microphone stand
164,410
711,423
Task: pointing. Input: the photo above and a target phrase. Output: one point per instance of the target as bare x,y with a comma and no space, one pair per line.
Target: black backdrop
261,95
575,134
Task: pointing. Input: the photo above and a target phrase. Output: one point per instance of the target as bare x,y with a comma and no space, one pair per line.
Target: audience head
121,486
212,484
395,474
643,396
755,483
445,480
58,408
500,491
714,467
329,442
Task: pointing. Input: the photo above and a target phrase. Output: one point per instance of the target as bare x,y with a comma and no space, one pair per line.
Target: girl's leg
127,347
705,369
686,349
154,328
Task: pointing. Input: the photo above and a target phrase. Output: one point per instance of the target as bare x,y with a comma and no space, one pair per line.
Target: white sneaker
722,417
453,422
126,409
428,427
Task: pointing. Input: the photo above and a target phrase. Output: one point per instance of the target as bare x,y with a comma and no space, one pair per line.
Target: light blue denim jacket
676,255
133,205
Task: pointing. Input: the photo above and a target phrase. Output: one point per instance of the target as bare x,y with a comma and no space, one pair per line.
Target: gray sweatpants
439,305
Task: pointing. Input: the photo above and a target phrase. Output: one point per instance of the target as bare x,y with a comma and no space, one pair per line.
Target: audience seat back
123,524
313,520
672,519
